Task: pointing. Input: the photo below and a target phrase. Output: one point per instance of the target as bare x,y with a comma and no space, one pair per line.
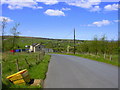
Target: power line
68,34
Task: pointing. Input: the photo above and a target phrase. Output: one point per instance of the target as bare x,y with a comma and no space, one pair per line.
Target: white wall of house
31,48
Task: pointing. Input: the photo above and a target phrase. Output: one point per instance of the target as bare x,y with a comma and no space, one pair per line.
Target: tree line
98,46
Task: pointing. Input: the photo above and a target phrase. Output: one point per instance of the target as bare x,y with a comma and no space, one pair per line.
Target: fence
37,58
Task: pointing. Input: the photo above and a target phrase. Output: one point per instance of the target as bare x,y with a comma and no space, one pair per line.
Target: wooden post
17,64
110,57
36,60
104,56
39,56
42,55
27,63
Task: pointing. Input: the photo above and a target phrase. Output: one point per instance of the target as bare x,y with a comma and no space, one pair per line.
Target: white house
37,47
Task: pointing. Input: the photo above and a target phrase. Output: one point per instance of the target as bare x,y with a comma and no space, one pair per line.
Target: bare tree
15,33
4,23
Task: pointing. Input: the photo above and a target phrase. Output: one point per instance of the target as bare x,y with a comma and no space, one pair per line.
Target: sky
57,19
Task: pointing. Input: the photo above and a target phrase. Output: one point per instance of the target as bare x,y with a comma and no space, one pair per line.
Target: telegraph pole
74,40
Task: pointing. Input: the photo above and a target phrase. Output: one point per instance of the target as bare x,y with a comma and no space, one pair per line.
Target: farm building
37,47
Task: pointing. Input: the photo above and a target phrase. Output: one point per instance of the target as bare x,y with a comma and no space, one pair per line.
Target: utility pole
74,40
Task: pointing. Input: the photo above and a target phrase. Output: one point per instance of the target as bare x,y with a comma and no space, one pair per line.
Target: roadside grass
36,71
39,71
99,58
0,57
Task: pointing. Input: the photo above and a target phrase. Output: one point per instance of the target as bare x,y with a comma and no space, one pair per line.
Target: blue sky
58,19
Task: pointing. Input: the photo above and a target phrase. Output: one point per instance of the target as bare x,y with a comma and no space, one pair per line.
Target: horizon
59,38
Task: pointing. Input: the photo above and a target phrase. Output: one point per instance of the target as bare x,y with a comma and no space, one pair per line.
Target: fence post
104,56
110,57
39,56
27,63
36,60
17,64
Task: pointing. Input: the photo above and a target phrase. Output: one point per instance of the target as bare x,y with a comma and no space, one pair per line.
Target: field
37,70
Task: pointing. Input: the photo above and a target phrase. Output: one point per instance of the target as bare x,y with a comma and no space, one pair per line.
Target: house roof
37,44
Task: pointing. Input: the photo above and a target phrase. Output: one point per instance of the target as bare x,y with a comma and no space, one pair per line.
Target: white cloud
48,2
100,23
83,3
38,7
65,9
111,7
52,12
95,8
6,18
116,20
19,4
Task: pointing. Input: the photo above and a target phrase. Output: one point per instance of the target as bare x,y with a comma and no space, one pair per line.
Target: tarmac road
67,71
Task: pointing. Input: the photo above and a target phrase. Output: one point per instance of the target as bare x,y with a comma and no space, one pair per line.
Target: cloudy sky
58,18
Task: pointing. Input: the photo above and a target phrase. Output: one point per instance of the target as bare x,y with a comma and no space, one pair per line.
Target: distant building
37,47
48,50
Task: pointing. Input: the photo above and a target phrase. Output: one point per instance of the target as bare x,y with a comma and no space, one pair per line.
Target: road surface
67,71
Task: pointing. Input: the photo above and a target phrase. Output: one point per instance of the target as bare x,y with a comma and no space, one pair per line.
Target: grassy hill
21,41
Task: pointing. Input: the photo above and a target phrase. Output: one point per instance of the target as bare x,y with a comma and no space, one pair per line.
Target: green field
37,70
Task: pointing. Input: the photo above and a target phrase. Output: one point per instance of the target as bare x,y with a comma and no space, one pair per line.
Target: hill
21,41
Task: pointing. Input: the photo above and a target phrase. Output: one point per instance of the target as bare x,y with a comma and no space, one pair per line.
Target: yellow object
19,81
20,77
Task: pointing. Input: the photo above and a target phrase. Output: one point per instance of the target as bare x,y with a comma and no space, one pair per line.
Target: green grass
39,71
36,71
97,58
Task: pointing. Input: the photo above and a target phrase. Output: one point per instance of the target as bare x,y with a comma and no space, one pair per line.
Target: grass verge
96,58
37,71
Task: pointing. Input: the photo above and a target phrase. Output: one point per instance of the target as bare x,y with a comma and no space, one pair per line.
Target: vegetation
15,33
3,26
97,58
98,47
37,70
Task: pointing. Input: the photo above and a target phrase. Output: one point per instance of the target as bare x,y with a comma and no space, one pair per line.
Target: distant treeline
96,46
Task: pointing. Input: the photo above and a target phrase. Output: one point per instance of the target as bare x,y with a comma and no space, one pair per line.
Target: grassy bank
37,70
99,58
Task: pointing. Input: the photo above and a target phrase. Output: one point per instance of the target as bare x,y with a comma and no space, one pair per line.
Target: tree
84,47
15,33
103,46
94,46
4,23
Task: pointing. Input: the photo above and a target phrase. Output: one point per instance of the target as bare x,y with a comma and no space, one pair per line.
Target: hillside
21,41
